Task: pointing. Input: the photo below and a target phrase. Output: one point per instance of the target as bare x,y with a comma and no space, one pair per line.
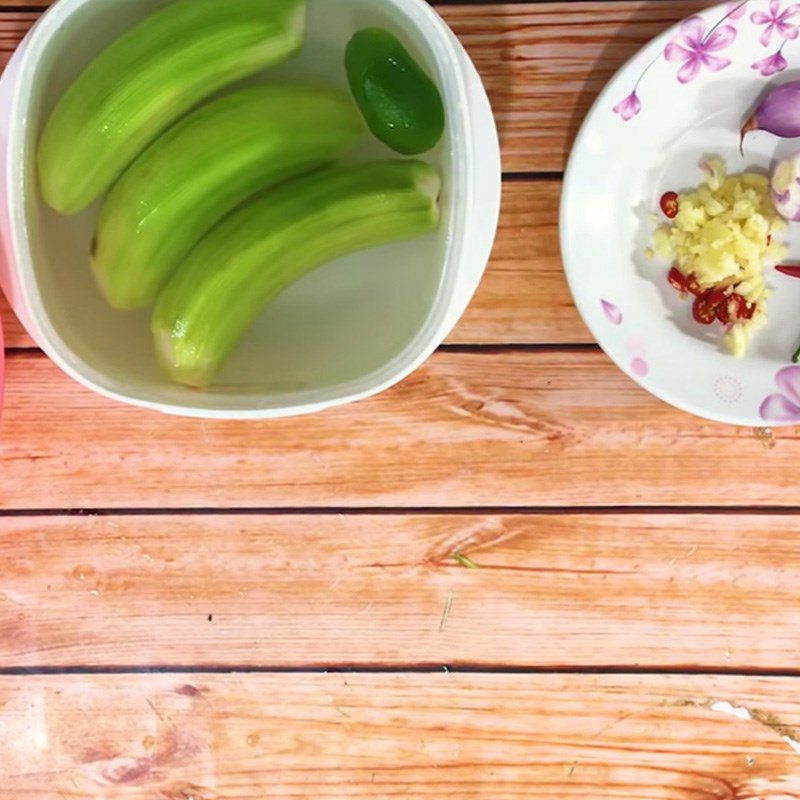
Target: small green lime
400,103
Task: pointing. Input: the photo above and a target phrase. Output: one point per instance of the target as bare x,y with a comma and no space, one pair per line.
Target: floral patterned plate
680,99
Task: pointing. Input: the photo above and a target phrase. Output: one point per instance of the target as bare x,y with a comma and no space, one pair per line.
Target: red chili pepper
716,296
693,286
677,280
731,309
791,270
724,312
749,310
705,306
669,204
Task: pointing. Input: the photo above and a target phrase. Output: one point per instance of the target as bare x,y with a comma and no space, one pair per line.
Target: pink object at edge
2,367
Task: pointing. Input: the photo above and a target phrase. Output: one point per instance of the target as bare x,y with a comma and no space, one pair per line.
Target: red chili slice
749,310
677,280
791,270
669,204
704,308
732,308
693,286
716,296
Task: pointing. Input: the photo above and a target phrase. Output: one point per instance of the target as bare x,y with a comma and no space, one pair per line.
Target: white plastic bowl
345,332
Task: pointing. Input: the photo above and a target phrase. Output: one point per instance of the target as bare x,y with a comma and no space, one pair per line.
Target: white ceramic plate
683,97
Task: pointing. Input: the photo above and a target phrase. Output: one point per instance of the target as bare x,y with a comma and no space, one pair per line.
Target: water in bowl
338,324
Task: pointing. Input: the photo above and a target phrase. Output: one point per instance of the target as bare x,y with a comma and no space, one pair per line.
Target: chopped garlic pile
725,234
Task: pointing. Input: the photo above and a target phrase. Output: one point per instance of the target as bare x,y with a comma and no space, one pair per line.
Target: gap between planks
554,670
400,511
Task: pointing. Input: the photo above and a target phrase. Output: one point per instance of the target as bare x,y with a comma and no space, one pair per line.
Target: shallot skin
785,188
778,113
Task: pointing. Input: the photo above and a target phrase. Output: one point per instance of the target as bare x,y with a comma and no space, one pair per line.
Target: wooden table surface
219,611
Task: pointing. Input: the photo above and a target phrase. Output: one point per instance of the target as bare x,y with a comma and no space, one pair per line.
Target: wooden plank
524,296
446,737
13,27
521,429
668,591
15,335
543,63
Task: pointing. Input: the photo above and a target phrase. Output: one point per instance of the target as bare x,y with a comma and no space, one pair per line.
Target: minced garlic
725,234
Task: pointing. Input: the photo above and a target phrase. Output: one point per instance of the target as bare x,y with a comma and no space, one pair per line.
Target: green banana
201,169
147,79
257,252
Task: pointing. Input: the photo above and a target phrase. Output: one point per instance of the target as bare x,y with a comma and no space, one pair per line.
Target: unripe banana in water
252,256
150,77
203,168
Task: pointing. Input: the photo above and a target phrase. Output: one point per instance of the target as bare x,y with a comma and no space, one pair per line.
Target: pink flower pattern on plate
736,10
771,65
612,313
628,107
776,21
784,406
695,50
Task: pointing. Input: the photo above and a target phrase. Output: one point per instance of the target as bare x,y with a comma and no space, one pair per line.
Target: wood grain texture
544,64
659,591
482,429
13,27
298,590
523,297
14,333
446,737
